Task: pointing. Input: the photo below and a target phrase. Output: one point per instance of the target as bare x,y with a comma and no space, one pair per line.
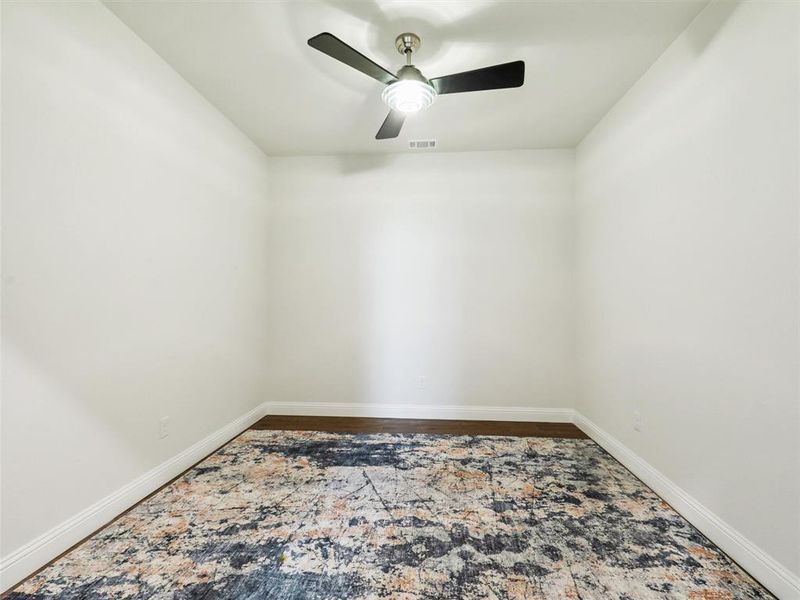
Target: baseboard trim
423,411
773,575
22,562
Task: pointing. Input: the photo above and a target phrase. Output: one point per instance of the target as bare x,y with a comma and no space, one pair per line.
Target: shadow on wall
412,267
442,279
704,30
349,164
327,249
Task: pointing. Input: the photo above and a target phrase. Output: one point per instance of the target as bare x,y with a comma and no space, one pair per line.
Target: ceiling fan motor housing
411,73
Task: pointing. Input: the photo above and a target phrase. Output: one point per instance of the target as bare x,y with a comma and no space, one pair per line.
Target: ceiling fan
409,91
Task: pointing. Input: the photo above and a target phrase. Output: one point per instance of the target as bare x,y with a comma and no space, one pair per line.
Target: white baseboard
774,576
33,555
423,411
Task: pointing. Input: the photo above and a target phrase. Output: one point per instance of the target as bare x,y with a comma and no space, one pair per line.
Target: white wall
452,267
688,218
134,229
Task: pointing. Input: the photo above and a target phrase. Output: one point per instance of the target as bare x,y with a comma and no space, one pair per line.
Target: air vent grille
422,144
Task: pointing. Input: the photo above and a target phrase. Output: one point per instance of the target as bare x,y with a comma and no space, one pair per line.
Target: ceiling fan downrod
406,44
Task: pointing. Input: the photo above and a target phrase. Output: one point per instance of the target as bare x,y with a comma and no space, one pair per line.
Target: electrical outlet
423,383
163,427
637,420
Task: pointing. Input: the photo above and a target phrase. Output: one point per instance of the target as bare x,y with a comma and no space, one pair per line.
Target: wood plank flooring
433,426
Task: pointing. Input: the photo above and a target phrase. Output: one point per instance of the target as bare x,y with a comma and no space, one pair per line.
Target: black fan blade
391,125
507,75
336,48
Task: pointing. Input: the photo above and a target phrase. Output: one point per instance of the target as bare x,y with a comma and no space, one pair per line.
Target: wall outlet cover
163,427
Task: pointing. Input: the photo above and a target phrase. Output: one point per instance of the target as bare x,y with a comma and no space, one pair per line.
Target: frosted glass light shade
408,96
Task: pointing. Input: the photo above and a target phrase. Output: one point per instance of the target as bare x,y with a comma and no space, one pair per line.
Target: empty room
400,300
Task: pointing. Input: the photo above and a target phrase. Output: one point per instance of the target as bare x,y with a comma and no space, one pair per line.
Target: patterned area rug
307,515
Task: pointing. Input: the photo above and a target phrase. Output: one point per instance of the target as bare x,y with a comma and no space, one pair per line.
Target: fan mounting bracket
407,43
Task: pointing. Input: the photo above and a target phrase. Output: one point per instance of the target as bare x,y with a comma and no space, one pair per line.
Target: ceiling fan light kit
409,91
409,95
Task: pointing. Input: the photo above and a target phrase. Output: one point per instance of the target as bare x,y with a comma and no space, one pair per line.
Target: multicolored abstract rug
312,516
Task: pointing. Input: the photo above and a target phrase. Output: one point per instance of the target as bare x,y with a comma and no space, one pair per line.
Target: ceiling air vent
422,144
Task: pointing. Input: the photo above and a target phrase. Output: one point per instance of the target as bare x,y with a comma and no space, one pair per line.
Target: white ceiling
251,60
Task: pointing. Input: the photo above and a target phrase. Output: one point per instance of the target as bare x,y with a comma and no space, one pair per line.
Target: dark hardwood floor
440,426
